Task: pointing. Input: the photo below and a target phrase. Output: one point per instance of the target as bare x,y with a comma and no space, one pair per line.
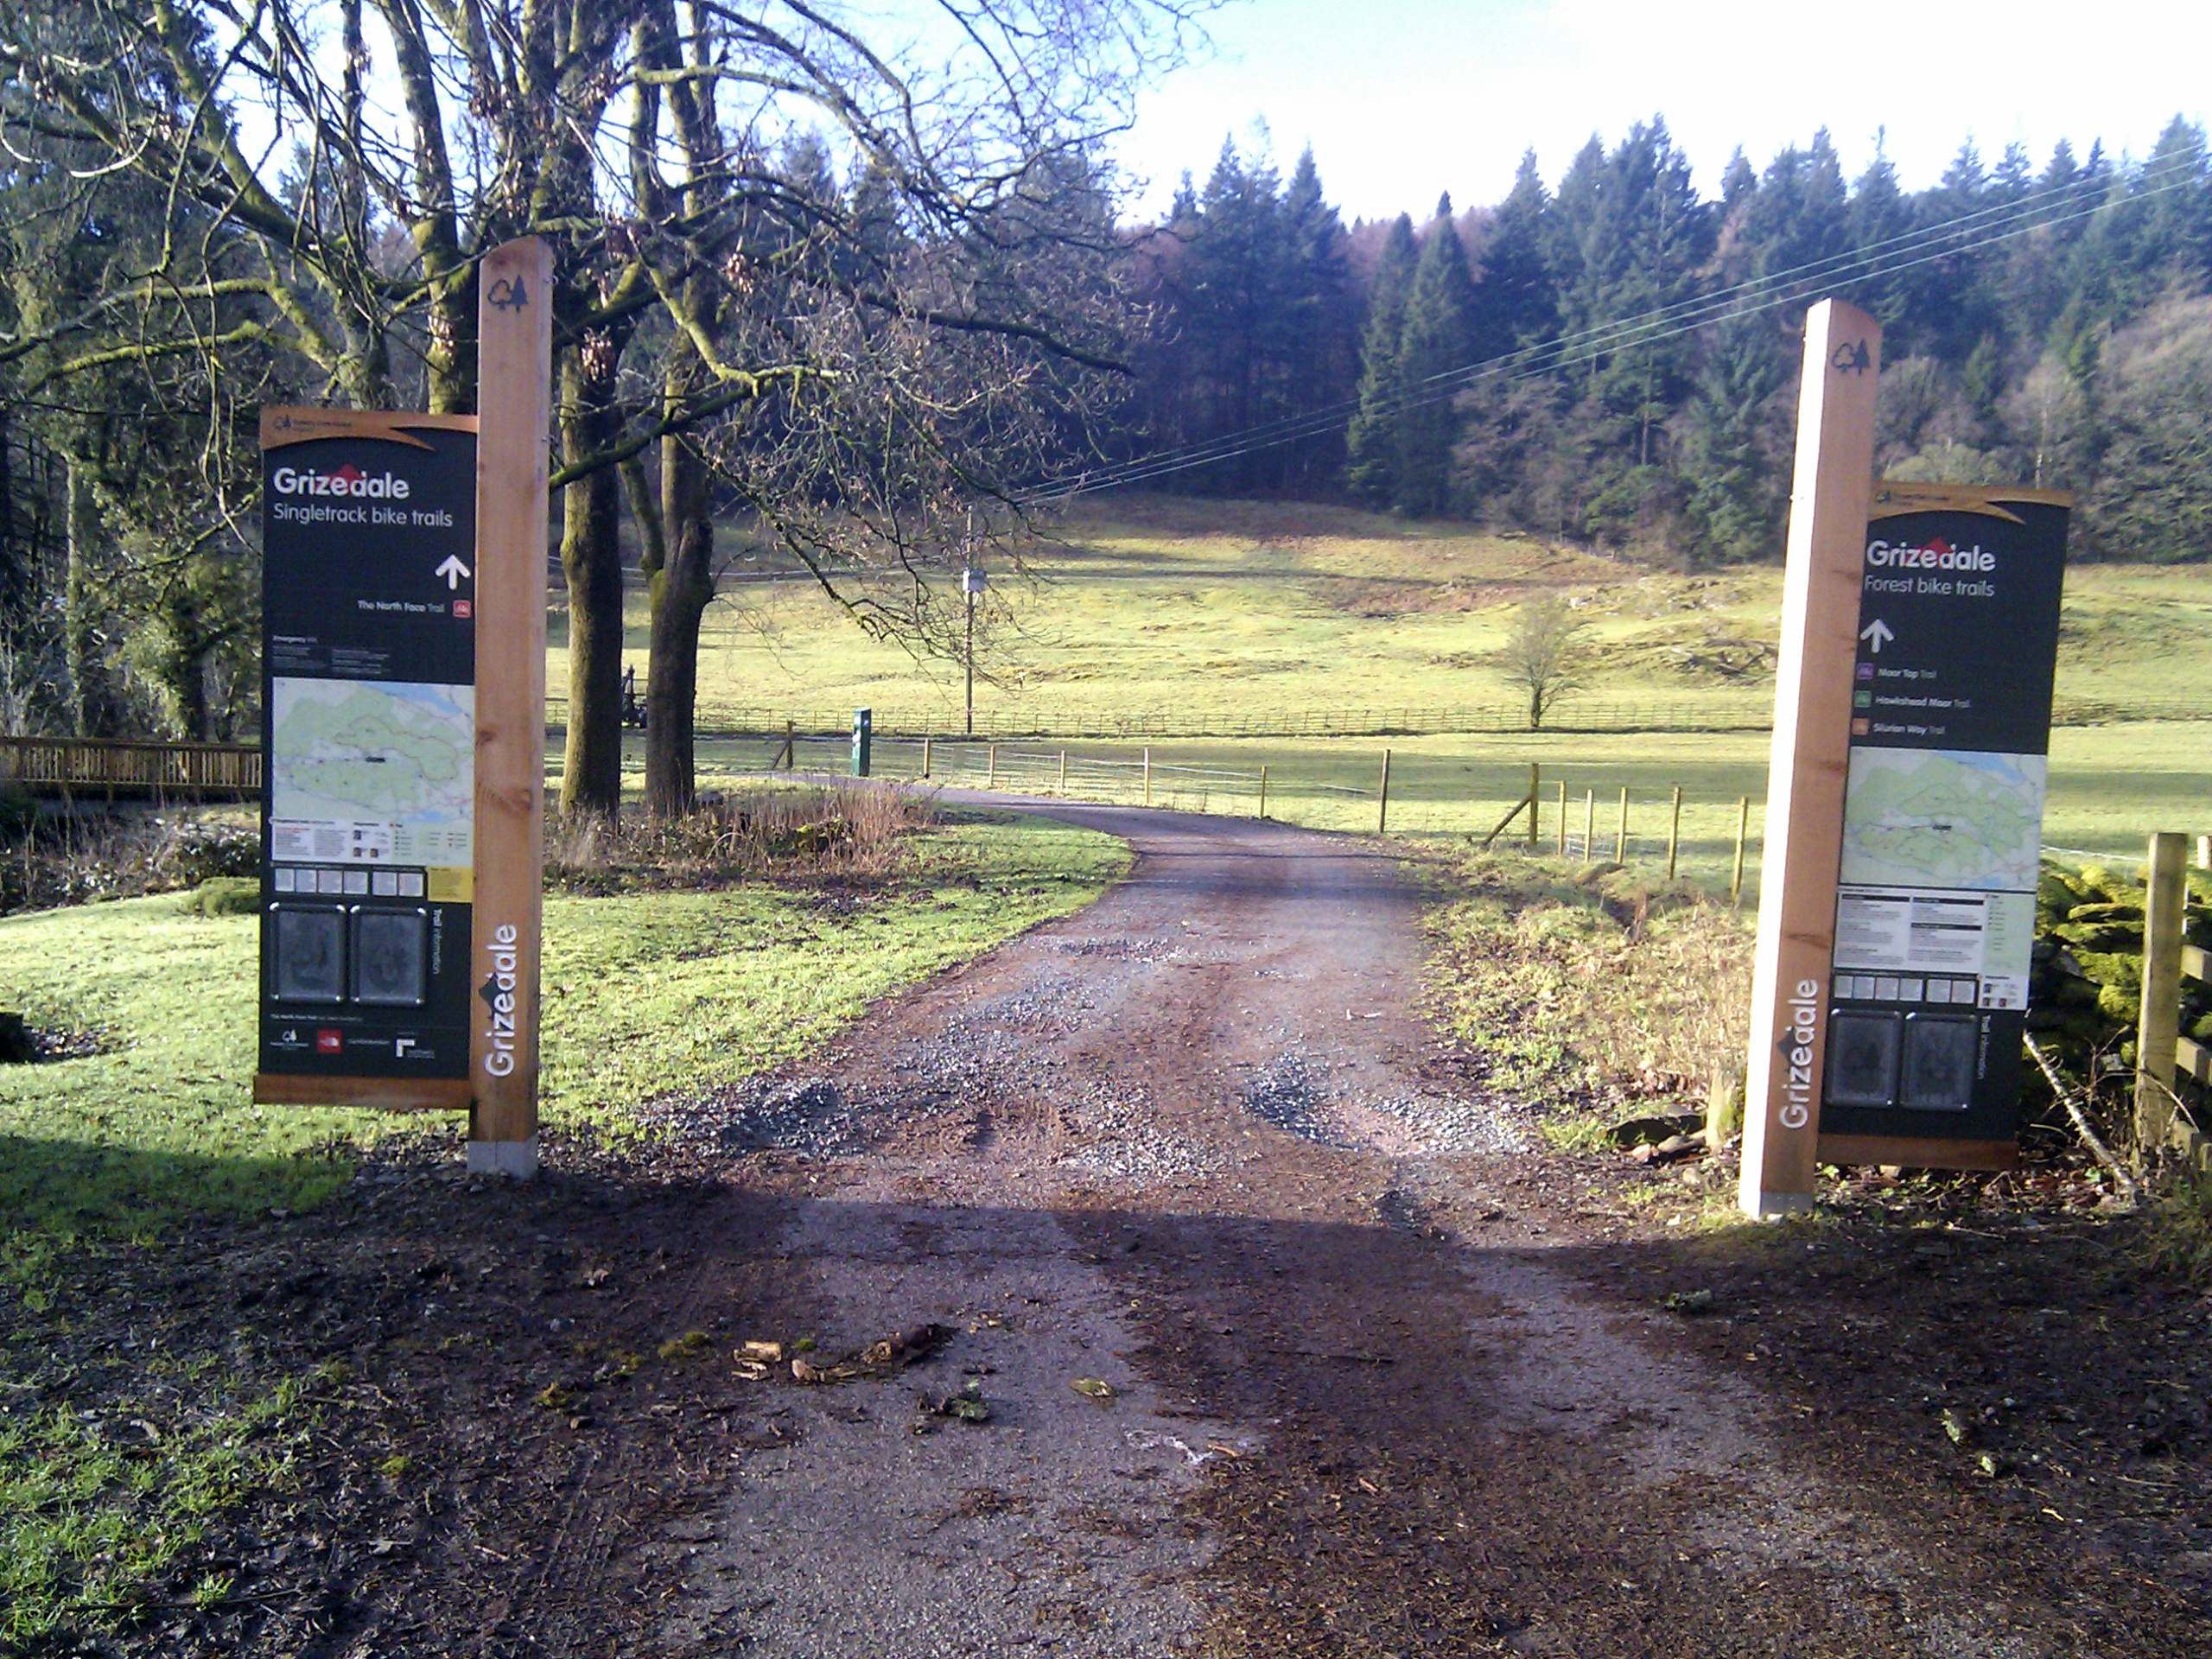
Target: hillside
1216,611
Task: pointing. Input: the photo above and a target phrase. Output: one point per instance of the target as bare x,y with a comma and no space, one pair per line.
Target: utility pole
971,583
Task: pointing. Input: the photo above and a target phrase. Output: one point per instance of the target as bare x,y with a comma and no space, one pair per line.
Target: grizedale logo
1803,1014
348,480
1938,554
500,952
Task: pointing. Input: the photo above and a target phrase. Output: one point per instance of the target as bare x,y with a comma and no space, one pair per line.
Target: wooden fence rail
120,767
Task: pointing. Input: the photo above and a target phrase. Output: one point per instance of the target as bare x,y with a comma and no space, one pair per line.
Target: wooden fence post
1620,830
1536,783
1148,774
1590,826
1674,830
991,765
1383,797
1743,834
1063,772
2158,1033
1263,789
1559,849
925,754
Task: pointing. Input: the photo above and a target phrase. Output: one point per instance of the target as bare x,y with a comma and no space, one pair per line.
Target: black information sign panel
369,738
1950,731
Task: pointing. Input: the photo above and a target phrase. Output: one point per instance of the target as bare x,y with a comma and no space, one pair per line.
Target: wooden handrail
109,763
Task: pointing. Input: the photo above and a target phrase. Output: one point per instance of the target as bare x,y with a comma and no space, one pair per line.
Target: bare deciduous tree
1544,654
846,359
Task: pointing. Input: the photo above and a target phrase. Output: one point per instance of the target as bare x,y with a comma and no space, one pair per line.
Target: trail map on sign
1942,818
372,771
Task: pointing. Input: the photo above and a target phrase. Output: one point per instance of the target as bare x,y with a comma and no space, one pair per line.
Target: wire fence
1723,712
1585,813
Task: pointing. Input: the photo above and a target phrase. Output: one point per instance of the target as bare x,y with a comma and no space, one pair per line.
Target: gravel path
1193,1143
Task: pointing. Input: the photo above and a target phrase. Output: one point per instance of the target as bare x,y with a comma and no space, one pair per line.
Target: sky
1403,98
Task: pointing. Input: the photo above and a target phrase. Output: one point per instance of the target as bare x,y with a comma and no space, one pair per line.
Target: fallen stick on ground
2128,1189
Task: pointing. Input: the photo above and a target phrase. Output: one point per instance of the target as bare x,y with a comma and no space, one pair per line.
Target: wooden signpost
403,700
515,350
1830,494
1912,730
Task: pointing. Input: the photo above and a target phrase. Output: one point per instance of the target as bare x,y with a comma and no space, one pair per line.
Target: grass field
1212,610
2109,784
646,993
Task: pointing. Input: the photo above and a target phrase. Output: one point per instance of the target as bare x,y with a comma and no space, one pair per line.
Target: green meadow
646,993
1212,611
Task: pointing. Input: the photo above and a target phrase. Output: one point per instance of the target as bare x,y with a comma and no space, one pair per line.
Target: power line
2013,216
1999,223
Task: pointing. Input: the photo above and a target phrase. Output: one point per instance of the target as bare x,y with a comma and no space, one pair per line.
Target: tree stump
17,1044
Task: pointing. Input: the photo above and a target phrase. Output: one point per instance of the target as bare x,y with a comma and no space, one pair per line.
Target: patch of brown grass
1596,979
84,856
797,835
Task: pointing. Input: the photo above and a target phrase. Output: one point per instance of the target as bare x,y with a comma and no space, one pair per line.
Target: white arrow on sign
1877,634
453,571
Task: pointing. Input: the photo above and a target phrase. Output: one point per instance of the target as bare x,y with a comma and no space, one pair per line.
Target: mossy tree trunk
681,590
91,702
591,559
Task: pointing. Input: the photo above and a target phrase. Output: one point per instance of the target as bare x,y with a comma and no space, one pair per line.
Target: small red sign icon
327,1041
463,609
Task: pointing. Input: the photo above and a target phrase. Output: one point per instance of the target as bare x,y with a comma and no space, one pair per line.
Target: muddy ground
1380,1376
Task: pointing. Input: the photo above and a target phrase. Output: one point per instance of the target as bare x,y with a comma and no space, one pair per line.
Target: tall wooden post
1830,497
1535,807
1674,831
1559,850
2157,1033
925,755
1263,789
1382,797
1063,772
514,396
1743,840
1590,826
1147,775
1620,830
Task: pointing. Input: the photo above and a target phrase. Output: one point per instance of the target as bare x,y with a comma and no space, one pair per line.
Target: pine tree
1735,478
1234,301
1372,444
1878,217
1801,215
1438,338
1739,180
1319,320
2176,226
2015,174
1965,182
1643,239
1570,224
1514,302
